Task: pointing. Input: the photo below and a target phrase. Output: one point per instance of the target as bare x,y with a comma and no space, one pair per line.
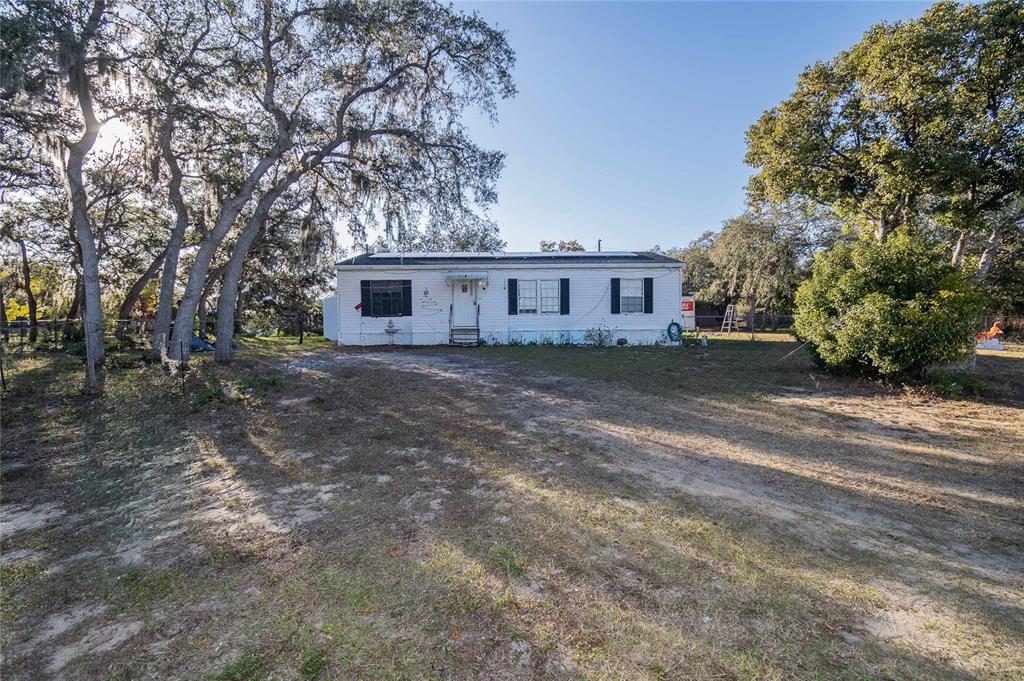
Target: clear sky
630,119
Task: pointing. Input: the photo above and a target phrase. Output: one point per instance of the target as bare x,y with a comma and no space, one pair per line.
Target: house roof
510,258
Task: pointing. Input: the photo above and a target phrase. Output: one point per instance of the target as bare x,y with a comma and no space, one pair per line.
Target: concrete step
465,336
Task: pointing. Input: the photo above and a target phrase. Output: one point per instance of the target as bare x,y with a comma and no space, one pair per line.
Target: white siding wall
589,306
330,317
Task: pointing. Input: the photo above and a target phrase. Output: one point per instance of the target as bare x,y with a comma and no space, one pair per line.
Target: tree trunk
1011,218
233,275
76,301
181,340
991,246
134,292
162,324
204,309
239,309
3,315
78,81
232,207
884,228
226,304
958,249
26,272
93,307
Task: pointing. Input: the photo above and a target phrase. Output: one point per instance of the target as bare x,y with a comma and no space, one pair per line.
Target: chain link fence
67,334
1012,327
762,323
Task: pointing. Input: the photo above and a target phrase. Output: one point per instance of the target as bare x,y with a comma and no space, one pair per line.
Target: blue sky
630,119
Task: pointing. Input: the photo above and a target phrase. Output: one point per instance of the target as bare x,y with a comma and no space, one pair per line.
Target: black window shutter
407,297
513,296
563,296
615,295
648,295
364,297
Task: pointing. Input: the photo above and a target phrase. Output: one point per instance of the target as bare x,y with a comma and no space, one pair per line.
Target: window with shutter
549,296
527,296
387,297
631,292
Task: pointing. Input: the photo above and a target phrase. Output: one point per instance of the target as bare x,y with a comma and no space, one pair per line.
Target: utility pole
598,245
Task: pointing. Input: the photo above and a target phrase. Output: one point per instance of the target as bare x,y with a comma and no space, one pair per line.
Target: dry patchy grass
510,513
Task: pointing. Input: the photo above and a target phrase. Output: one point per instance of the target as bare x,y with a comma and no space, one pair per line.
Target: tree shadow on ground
463,518
461,420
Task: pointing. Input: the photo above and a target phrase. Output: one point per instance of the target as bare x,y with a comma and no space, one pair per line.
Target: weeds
236,390
205,395
13,574
599,336
314,664
505,558
142,588
955,386
252,382
123,361
246,668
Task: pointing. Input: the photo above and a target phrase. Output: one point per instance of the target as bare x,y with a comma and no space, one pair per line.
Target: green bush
888,310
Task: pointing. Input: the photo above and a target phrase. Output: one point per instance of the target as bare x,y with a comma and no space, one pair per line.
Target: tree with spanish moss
370,97
59,63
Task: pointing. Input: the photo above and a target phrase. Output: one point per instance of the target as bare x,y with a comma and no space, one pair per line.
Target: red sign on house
687,306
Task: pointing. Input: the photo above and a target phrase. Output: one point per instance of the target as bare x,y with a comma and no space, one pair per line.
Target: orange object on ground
990,334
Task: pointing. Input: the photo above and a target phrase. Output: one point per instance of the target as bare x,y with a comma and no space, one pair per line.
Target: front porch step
465,335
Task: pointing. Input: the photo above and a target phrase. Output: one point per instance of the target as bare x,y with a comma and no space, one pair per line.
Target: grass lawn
511,513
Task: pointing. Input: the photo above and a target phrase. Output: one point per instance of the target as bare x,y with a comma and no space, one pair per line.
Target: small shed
330,304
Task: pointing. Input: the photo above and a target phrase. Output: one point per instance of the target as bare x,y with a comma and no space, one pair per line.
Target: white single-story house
462,298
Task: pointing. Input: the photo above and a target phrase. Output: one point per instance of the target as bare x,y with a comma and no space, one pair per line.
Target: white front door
464,304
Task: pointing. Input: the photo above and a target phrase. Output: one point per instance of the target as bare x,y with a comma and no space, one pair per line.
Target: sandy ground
472,517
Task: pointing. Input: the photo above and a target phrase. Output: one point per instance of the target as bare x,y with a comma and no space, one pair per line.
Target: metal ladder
729,321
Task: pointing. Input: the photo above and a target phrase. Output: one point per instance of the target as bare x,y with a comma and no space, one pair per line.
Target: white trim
519,266
466,276
507,254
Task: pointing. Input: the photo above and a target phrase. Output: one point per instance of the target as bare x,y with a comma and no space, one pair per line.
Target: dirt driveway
480,514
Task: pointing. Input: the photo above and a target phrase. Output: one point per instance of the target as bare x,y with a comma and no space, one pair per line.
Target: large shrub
890,309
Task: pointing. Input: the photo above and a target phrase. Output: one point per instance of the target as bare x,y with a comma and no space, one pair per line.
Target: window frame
393,289
557,309
637,299
535,297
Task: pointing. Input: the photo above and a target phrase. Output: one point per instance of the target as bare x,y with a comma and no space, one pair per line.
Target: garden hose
674,331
